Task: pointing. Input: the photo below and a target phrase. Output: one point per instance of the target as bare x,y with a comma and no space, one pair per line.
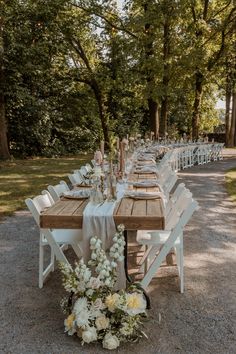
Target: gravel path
202,320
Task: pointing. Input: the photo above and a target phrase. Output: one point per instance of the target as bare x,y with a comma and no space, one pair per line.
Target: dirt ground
202,320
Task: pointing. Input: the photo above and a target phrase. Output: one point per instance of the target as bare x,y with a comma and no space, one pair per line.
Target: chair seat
154,237
67,235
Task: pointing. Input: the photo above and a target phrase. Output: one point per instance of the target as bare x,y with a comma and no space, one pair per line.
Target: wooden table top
134,214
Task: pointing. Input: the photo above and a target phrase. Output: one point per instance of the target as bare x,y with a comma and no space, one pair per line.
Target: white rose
94,283
103,273
110,342
102,322
98,304
89,335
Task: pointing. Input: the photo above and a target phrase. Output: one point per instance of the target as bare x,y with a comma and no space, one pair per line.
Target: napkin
74,194
144,195
146,184
146,170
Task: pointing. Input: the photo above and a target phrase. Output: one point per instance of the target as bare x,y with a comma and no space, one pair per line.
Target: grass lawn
231,183
20,179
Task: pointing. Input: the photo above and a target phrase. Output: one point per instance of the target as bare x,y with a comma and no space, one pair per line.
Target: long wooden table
134,214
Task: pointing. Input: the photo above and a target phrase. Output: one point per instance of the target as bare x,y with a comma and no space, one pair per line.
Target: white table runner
98,221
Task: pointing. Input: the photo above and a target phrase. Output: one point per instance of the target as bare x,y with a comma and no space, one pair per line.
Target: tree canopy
73,72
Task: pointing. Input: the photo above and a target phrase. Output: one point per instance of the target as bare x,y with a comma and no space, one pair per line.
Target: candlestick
117,143
98,157
122,165
102,148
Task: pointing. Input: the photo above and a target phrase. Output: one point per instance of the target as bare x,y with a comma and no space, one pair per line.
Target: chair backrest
169,183
83,170
38,204
75,178
182,201
57,190
93,162
177,192
89,167
49,195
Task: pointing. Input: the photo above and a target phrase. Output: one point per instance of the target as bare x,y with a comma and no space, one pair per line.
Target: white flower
98,304
70,324
121,227
126,329
89,292
81,286
102,322
135,304
89,335
87,275
82,318
112,301
94,283
103,273
110,341
108,282
80,305
113,264
93,241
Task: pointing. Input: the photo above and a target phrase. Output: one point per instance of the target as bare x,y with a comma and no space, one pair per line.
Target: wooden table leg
126,257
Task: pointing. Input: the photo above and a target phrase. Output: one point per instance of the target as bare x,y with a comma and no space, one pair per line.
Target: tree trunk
233,122
102,113
164,116
153,115
165,79
197,105
234,115
227,111
4,150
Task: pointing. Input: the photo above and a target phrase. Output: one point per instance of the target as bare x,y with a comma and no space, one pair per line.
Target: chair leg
181,270
77,249
41,257
180,251
52,260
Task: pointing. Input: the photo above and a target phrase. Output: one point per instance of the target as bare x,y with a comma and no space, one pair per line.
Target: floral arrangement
95,311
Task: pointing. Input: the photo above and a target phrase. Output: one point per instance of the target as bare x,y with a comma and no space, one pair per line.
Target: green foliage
76,69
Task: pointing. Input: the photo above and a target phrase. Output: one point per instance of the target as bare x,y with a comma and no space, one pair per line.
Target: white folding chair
174,208
88,167
57,190
57,239
169,183
83,170
162,242
75,178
